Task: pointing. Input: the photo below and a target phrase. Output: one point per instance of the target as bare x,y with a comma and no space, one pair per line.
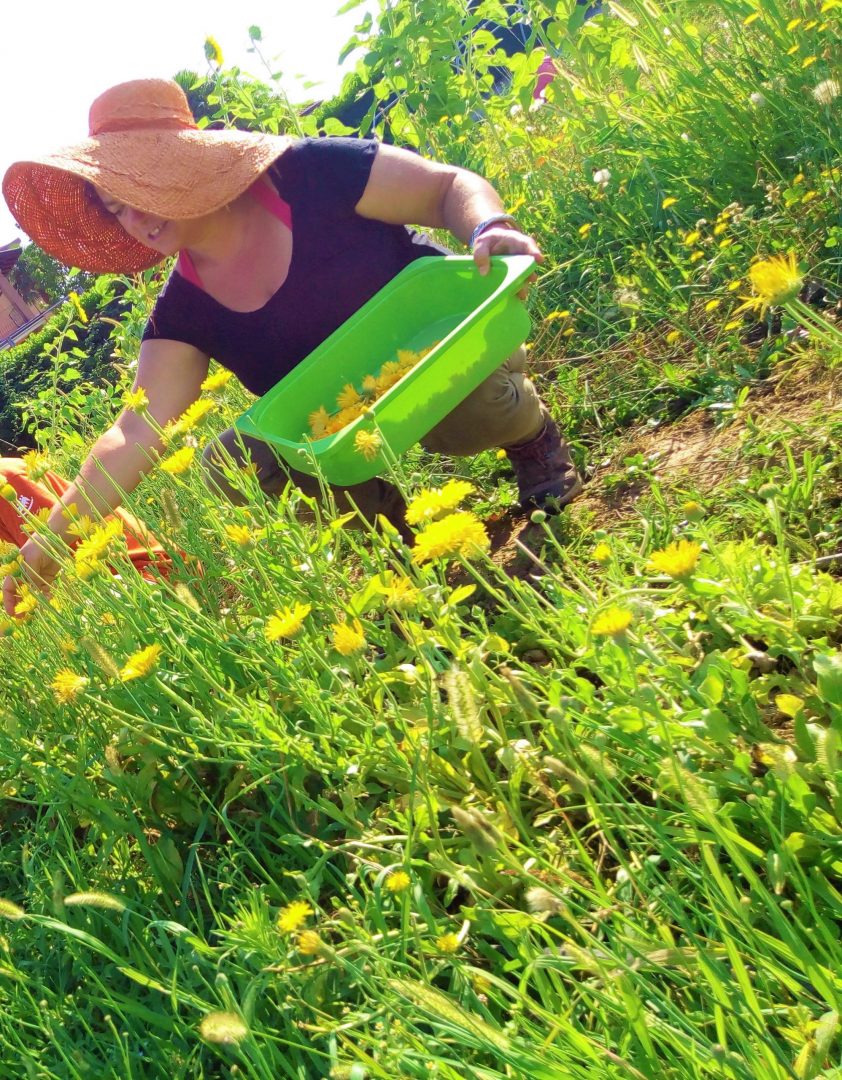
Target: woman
278,242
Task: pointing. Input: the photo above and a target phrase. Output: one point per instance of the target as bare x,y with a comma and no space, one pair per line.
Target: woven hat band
112,124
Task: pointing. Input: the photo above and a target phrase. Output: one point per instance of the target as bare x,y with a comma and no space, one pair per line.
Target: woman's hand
503,240
38,570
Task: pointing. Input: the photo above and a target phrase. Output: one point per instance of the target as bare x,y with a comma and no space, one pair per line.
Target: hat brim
176,175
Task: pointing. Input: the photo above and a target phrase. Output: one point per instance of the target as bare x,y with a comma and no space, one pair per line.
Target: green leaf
828,668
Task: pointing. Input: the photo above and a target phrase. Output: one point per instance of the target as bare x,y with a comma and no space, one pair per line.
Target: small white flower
515,110
601,177
537,104
684,137
757,99
826,92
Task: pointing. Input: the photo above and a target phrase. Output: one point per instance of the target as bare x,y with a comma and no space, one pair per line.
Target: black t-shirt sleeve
330,173
176,315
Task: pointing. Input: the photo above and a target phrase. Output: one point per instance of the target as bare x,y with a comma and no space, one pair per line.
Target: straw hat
144,150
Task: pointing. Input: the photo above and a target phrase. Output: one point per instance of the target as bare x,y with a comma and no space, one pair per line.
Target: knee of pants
502,411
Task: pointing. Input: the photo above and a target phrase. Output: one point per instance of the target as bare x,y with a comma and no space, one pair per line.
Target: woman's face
160,234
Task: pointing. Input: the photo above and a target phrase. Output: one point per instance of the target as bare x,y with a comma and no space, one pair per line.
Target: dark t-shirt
339,260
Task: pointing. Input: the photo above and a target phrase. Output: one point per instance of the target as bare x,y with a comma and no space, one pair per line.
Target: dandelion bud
559,769
463,705
103,660
601,177
482,834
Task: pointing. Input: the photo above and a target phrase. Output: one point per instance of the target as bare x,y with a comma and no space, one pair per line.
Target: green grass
623,852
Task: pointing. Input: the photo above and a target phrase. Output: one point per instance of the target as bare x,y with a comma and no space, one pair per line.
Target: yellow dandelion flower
309,943
668,202
391,370
287,622
501,455
726,243
81,314
692,238
348,637
734,324
791,25
693,510
696,256
349,395
400,594
601,553
553,315
140,663
712,305
673,336
719,229
431,503
8,492
613,622
586,228
36,464
239,534
370,385
86,568
216,381
97,539
368,444
213,53
775,281
66,685
677,560
407,359
808,61
792,50
191,417
734,285
448,943
749,19
811,25
27,604
293,916
318,421
180,461
808,196
224,1028
398,881
457,534
136,400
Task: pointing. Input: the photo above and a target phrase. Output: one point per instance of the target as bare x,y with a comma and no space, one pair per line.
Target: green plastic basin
477,321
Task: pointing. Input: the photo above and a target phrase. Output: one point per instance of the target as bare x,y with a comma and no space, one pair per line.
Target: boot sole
559,501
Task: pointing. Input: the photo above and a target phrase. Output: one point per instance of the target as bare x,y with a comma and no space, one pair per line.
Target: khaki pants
505,410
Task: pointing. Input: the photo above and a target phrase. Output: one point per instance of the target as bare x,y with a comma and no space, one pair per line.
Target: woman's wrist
494,219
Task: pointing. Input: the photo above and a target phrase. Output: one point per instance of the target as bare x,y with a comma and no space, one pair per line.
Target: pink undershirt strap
268,198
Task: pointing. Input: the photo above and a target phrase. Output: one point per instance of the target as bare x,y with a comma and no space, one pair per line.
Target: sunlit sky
55,58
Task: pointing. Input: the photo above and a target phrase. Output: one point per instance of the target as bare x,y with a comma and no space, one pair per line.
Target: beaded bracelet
483,225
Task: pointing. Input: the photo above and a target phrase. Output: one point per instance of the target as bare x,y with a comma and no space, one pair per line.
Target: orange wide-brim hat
145,150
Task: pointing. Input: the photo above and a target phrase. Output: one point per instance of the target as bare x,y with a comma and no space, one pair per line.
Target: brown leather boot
546,476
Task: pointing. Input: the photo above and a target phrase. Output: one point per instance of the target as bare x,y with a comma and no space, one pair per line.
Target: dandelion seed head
826,92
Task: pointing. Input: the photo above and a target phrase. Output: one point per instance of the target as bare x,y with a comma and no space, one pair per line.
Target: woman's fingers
10,595
503,241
